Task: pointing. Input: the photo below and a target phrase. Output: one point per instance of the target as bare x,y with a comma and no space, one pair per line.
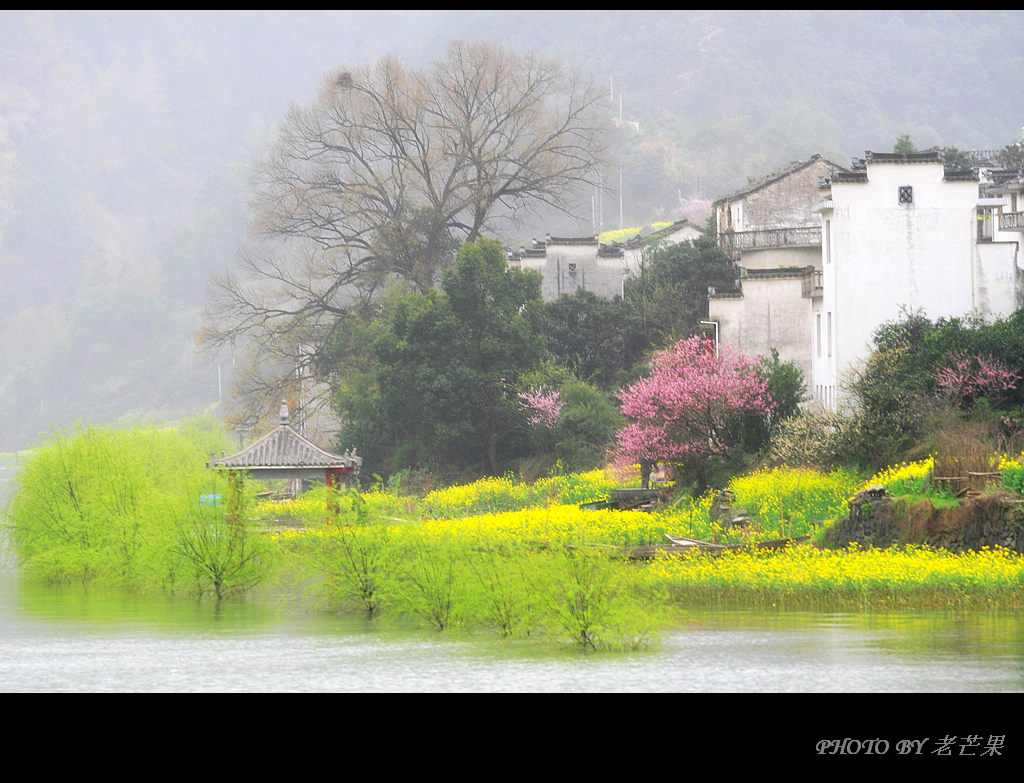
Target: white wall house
898,235
772,233
571,264
680,231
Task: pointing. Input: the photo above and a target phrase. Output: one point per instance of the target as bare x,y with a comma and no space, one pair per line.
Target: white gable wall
886,256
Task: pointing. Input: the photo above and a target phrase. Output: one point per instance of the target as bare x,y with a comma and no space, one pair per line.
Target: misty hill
126,140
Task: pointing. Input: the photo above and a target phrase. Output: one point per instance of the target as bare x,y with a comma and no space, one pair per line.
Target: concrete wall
785,203
782,203
997,277
571,266
886,257
782,257
772,313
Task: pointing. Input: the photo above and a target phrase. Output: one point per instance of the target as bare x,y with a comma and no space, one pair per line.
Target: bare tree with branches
383,176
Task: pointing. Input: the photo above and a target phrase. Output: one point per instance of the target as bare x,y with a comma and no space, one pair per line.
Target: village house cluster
571,264
826,253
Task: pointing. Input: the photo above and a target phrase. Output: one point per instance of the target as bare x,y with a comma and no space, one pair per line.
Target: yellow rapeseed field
914,576
501,512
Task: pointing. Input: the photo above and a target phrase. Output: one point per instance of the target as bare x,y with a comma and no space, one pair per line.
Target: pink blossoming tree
689,410
544,406
967,378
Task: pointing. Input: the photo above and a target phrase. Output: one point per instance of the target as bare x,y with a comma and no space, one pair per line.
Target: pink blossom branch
546,406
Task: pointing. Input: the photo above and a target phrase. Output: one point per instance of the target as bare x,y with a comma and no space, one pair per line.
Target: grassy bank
126,507
809,578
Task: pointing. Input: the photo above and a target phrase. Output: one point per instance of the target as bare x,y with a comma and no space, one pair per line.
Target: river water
74,640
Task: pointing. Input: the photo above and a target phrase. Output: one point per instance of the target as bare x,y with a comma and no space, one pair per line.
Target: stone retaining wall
878,519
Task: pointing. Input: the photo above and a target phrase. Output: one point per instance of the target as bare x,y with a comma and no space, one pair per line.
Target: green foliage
122,506
955,161
900,402
218,554
891,413
1012,156
588,595
505,594
669,296
904,145
1012,471
815,437
206,433
898,388
1013,479
919,348
599,340
431,580
587,427
787,389
497,495
439,386
354,556
790,502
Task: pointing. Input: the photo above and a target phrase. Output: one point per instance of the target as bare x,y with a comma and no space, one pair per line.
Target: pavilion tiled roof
285,448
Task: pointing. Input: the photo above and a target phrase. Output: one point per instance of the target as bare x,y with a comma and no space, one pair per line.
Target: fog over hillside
127,138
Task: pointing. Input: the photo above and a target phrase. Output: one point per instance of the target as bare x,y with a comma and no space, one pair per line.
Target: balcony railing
803,236
812,284
1011,221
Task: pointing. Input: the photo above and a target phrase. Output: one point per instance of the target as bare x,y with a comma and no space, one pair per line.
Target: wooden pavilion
285,454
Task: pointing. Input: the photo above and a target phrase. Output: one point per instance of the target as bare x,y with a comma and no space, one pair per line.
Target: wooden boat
693,542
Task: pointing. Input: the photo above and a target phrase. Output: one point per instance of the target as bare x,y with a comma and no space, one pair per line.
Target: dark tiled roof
572,240
285,448
778,273
776,176
961,176
674,227
850,176
929,156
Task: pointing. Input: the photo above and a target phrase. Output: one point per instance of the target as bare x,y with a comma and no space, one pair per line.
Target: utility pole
621,225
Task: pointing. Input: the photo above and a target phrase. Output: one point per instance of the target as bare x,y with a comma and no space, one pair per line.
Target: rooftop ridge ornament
284,414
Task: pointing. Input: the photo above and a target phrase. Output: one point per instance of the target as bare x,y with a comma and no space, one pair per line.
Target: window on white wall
817,334
830,334
828,241
905,194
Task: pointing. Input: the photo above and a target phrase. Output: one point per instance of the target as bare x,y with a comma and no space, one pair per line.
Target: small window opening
906,194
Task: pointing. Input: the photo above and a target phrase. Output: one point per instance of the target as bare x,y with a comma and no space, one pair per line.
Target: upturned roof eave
307,455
